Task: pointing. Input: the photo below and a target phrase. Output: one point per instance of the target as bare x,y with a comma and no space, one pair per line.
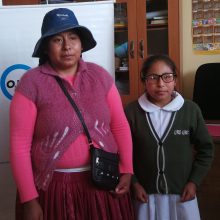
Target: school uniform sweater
164,162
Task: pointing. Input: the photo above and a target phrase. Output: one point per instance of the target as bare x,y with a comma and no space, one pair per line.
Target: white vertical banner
21,28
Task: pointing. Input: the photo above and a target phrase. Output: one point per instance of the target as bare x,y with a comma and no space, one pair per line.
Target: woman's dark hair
153,59
43,58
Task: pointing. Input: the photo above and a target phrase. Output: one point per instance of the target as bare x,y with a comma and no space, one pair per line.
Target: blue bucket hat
59,20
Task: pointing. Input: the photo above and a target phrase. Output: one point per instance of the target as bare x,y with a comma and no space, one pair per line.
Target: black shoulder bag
104,165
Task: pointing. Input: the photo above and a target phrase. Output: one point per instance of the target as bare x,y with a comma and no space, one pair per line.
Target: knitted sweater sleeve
22,119
121,130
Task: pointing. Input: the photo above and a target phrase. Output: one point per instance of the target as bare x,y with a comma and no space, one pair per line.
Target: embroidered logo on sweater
181,132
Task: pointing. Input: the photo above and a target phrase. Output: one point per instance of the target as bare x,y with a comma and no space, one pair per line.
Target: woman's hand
189,192
139,193
124,184
33,210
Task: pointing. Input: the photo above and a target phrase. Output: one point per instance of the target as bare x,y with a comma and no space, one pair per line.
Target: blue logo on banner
11,83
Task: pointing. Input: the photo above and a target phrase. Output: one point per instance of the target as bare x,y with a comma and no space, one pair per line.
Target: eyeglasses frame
160,76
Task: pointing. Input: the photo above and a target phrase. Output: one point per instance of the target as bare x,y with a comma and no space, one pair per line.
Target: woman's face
158,91
64,51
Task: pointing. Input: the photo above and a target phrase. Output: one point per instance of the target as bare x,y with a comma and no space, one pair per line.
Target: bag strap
59,81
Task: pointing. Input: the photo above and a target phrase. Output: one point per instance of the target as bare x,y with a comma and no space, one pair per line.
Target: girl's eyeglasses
166,77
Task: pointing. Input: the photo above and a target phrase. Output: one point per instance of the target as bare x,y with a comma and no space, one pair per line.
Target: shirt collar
174,105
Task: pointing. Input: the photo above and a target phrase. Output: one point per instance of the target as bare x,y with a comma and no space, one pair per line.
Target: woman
49,150
172,148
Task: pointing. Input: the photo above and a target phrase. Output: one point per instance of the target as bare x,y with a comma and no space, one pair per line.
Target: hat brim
86,37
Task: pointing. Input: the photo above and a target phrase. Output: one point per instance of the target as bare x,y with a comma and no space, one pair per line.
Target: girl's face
158,91
64,51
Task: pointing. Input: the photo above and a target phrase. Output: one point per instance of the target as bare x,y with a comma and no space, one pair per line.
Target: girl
172,147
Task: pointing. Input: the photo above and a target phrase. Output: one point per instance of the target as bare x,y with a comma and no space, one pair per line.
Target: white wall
189,61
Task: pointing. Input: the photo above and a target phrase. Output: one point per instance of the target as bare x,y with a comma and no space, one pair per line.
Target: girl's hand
139,193
189,192
124,184
33,210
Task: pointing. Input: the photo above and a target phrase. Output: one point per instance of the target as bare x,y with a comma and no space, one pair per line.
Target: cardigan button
160,143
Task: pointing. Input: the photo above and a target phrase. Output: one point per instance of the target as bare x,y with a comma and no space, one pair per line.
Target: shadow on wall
7,193
188,85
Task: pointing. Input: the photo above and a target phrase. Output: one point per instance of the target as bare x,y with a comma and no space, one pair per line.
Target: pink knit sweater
57,125
23,115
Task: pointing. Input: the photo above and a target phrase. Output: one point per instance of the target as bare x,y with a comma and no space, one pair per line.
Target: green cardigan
184,153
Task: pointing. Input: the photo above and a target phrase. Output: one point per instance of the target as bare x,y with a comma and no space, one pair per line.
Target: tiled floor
7,193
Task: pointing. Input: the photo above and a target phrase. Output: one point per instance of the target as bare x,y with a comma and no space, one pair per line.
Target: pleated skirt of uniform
167,207
73,196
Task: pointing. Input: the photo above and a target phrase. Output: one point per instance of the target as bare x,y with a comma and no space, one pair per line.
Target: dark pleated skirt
72,196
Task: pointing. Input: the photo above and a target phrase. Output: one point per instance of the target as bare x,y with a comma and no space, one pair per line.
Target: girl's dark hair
153,59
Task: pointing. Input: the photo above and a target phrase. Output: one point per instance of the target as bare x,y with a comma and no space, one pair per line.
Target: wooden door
174,37
147,38
159,26
126,33
20,2
141,41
